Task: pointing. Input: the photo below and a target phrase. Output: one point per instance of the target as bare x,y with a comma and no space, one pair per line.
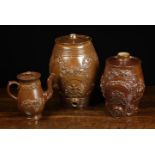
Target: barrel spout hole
74,104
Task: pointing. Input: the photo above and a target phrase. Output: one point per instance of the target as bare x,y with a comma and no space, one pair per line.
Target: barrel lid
123,59
72,39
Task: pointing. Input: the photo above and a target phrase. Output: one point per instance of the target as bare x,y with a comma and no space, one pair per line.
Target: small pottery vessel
122,84
74,62
31,98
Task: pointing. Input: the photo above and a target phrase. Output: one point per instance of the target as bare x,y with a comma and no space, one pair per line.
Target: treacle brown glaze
122,84
31,98
74,62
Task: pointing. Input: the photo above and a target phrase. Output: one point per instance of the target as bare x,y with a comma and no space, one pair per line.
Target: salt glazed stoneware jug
31,98
74,62
122,84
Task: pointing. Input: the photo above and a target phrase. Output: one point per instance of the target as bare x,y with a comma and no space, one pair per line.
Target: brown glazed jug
31,98
122,84
74,62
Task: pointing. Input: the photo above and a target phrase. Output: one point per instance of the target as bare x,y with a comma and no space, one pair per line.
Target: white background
77,12
77,142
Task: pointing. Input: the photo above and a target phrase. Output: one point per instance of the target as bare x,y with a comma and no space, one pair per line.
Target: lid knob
123,55
73,36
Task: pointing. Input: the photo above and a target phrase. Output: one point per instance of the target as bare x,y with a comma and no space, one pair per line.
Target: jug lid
72,39
123,59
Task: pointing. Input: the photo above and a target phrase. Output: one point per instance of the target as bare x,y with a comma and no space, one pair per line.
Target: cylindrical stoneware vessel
122,84
31,98
74,62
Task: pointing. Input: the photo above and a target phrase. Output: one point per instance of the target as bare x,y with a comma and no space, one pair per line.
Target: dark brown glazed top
28,76
73,39
123,59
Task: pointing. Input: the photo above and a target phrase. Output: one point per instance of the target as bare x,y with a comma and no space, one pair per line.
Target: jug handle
8,88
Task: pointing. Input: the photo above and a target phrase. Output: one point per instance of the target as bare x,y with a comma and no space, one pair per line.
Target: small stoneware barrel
122,84
74,62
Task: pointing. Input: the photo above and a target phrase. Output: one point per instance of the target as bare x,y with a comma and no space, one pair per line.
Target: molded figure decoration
31,98
74,62
122,84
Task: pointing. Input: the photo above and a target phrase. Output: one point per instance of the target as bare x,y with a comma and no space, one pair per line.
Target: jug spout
49,92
